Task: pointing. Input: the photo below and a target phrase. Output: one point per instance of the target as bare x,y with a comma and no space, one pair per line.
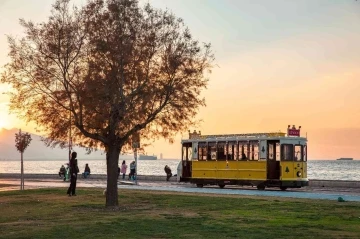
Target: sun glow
2,124
4,121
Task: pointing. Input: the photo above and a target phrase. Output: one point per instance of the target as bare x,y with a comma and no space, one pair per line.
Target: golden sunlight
4,122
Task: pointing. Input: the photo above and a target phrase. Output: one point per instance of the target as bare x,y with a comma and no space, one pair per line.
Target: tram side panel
235,171
293,174
242,172
287,171
203,170
252,170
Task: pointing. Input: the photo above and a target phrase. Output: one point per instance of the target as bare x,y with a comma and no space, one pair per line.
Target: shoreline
312,182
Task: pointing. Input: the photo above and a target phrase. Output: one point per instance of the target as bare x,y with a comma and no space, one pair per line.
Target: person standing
74,169
132,170
123,169
87,171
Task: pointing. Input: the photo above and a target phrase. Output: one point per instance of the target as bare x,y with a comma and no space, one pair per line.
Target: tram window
231,152
271,151
251,149
305,153
202,151
183,153
246,152
228,151
254,150
277,151
211,151
236,151
298,153
187,151
190,153
221,150
287,152
243,151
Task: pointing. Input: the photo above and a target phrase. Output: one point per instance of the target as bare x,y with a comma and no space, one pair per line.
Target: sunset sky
279,62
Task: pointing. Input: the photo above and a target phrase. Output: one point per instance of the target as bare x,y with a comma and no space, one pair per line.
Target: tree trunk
112,162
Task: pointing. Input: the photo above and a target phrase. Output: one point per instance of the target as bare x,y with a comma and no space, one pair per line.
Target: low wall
312,182
334,183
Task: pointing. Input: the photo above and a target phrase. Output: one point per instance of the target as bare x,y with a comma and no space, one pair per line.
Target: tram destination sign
293,132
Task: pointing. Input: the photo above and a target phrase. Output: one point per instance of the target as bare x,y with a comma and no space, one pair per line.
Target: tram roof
197,136
243,139
215,139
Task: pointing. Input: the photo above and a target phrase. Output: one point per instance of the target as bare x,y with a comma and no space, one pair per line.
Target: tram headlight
298,174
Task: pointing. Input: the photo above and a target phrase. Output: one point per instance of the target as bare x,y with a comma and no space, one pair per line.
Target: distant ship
147,157
345,159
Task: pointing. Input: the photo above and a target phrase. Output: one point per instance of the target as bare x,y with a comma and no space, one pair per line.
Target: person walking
74,170
123,169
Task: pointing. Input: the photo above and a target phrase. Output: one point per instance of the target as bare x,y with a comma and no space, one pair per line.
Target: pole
22,164
135,156
22,172
70,140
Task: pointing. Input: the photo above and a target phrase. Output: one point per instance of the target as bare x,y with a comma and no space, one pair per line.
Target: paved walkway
249,192
348,194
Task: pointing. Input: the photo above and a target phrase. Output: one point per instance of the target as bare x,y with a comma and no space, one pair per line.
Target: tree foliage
118,68
22,141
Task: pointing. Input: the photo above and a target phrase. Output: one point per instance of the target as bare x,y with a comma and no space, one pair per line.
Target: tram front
293,163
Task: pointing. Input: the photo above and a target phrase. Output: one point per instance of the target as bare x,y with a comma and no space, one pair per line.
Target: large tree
116,67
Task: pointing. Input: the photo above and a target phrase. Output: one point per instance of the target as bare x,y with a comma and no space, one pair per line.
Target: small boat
147,157
344,159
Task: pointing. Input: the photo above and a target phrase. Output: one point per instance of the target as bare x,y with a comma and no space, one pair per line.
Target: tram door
288,166
299,161
187,154
273,159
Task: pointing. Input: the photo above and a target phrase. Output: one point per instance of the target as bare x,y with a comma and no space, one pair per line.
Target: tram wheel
283,188
199,185
221,185
261,186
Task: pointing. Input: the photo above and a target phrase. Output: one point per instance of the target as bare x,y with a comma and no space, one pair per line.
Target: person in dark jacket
62,171
74,169
132,170
168,172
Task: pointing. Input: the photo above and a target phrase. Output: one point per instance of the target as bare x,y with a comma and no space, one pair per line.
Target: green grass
49,213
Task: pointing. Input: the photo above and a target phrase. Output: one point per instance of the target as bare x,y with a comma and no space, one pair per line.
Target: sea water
317,169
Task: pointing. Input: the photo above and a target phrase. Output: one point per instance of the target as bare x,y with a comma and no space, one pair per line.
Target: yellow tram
258,159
